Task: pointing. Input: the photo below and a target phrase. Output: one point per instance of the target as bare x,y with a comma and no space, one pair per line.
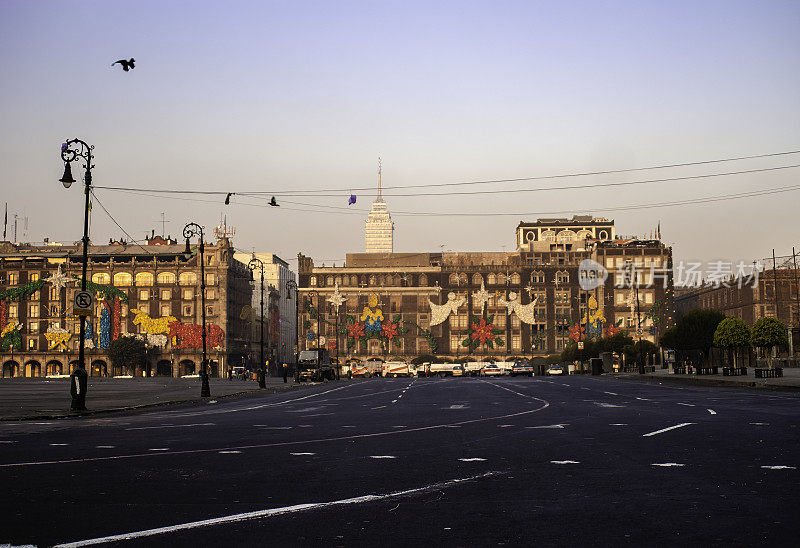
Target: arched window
537,277
548,235
562,277
477,279
501,279
329,281
373,280
354,281
423,280
122,279
345,280
165,278
565,236
187,278
101,278
463,278
514,279
144,279
491,279
338,280
453,278
583,234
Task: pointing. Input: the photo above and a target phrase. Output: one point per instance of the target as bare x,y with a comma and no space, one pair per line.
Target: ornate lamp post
337,300
76,149
193,229
253,264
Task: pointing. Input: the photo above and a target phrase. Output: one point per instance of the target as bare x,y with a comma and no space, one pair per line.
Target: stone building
151,291
527,302
379,228
279,298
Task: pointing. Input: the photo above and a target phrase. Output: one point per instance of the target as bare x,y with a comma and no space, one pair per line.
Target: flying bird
274,203
228,198
352,199
126,65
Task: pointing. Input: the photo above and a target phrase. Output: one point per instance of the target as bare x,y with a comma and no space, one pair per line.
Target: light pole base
205,389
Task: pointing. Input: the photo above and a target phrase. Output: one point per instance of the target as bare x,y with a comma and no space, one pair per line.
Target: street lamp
253,264
76,149
190,230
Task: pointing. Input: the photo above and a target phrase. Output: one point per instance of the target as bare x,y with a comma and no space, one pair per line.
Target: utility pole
775,278
797,304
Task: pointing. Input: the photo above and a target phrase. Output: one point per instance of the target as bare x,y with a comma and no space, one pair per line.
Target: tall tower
379,227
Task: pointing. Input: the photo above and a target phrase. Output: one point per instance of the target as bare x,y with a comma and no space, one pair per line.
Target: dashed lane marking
159,449
105,446
382,457
58,444
472,459
548,426
305,425
604,404
618,424
379,407
667,464
229,452
8,441
304,454
271,427
611,393
172,426
779,467
505,425
687,404
681,425
565,462
760,423
711,411
234,518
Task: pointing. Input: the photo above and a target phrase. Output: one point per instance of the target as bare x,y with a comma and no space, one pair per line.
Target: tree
422,358
127,353
695,331
669,338
769,333
616,343
732,334
638,352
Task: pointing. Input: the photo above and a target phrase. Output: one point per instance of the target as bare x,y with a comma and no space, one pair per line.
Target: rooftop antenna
163,225
380,196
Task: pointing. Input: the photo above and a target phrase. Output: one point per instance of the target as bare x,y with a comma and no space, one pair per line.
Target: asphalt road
456,462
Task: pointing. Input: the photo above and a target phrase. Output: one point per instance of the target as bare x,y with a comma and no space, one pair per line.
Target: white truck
446,369
473,369
398,369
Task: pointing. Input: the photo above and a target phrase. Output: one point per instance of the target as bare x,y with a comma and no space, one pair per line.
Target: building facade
528,302
149,291
279,298
379,227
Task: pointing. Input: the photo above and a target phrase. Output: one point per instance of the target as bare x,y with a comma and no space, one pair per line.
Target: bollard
77,389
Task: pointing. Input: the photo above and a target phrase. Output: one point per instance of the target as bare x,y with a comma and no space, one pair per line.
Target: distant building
150,291
281,335
379,227
528,302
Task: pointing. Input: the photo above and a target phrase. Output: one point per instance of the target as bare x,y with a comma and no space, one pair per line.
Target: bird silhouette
126,65
272,202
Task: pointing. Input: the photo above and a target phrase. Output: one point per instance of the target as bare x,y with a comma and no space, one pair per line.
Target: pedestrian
285,373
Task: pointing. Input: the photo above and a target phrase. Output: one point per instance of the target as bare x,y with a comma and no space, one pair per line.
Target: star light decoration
481,297
59,280
337,299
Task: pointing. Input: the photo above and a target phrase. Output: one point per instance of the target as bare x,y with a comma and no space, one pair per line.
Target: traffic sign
580,345
83,303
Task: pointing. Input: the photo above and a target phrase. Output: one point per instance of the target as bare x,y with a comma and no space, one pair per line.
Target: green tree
732,334
616,343
127,353
769,333
669,338
695,331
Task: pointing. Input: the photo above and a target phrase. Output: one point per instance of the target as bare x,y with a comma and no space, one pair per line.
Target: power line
260,195
120,226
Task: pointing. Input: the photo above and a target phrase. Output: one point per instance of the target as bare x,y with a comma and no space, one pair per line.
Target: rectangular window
166,310
54,294
36,295
166,294
144,294
144,307
211,279
13,310
423,320
648,298
32,343
13,278
455,343
187,310
210,311
516,342
33,277
211,293
188,294
609,262
33,327
500,321
515,322
33,311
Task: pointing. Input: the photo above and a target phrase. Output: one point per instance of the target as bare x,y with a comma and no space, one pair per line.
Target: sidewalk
37,398
790,380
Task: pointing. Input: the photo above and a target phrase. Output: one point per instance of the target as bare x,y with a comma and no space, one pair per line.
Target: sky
285,97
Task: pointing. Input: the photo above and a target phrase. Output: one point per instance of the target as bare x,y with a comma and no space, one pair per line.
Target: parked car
555,370
522,368
491,370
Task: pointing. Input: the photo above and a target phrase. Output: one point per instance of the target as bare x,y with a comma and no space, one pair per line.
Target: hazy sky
282,96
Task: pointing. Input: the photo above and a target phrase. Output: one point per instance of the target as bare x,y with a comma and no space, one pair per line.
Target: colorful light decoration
483,332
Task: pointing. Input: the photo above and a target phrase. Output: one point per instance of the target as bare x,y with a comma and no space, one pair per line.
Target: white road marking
780,467
400,426
549,426
379,407
271,512
711,411
584,388
348,426
272,427
612,393
456,406
394,401
172,426
301,454
59,444
643,399
104,447
604,404
545,404
687,404
504,425
618,424
229,452
667,464
7,441
565,462
304,425
382,457
159,449
472,459
760,423
667,429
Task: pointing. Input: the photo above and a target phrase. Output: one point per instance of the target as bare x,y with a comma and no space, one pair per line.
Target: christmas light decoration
440,313
526,313
57,337
153,326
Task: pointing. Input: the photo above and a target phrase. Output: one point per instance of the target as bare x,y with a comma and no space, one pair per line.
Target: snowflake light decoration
337,299
481,297
59,280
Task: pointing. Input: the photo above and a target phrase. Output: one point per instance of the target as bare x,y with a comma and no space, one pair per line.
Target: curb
92,412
